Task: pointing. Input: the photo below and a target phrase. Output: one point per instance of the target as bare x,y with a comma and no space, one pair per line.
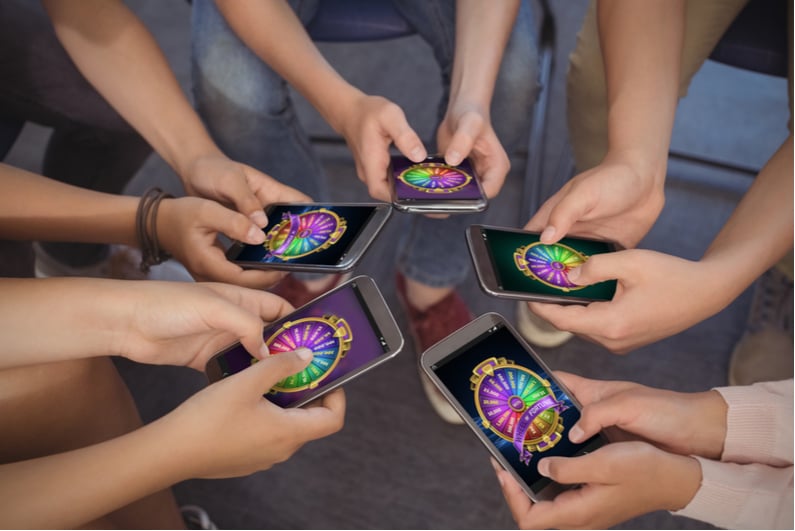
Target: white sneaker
538,331
438,402
196,518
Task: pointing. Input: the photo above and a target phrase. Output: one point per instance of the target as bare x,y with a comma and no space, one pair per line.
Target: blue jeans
247,108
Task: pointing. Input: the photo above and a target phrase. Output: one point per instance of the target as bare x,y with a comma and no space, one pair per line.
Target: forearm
759,231
121,59
34,207
65,491
274,33
642,47
481,35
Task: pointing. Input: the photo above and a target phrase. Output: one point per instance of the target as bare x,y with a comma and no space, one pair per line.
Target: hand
612,201
229,429
619,481
657,296
467,132
188,229
682,423
369,128
237,185
176,323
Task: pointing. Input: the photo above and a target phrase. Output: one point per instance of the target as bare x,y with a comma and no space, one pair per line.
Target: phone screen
513,402
308,234
434,180
523,264
338,328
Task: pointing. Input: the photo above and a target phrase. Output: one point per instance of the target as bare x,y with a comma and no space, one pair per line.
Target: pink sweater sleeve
758,495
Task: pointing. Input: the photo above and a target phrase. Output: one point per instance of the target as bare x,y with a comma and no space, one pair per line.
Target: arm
224,430
368,123
621,198
121,59
481,35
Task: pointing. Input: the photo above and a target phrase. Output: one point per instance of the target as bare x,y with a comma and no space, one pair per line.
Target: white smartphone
514,264
509,398
433,186
313,237
349,329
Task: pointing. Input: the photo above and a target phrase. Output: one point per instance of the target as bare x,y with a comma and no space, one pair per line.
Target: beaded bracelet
146,228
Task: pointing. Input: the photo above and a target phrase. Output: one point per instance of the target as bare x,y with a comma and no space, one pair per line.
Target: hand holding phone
509,398
514,264
349,330
433,186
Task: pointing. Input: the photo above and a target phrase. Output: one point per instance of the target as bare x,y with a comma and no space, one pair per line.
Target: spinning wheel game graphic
299,235
517,405
328,337
549,264
434,178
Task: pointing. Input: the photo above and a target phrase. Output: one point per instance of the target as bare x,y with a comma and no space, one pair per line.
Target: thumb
570,209
572,470
234,224
597,268
246,202
264,374
469,127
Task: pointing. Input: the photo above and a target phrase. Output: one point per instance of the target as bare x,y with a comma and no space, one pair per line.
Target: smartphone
349,329
514,264
314,237
433,186
509,398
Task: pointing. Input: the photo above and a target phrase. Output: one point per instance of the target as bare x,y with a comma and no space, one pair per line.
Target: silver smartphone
349,329
314,237
509,398
433,186
514,264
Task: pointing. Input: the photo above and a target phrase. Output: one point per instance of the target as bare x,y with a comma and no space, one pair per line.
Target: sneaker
123,263
196,518
428,328
537,331
764,353
296,293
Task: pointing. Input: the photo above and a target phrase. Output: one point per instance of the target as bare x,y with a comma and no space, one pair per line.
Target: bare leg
52,408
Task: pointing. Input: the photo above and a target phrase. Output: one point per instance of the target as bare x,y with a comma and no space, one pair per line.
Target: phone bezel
448,206
460,339
487,278
355,253
384,320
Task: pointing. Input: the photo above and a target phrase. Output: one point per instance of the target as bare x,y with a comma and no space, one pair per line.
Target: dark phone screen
523,264
316,234
433,180
338,329
513,401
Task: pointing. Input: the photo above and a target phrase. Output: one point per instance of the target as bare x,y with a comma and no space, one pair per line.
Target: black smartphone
314,237
433,186
509,398
514,264
349,329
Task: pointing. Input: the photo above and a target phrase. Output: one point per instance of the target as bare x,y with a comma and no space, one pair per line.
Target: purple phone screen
337,328
433,180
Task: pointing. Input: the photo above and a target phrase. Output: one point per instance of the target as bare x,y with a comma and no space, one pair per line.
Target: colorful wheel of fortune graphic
517,405
328,337
549,264
435,178
299,235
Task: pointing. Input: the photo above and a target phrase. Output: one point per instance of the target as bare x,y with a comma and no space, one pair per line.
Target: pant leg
706,22
246,105
434,251
91,145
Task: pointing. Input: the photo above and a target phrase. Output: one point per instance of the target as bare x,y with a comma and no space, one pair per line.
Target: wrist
644,163
344,105
711,429
683,479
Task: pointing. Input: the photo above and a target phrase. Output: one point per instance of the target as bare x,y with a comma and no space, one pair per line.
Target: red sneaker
427,328
296,293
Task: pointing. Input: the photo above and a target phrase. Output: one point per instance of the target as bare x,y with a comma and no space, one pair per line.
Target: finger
239,192
600,267
242,324
518,501
318,422
211,264
268,306
540,219
589,468
468,129
233,224
263,375
268,190
572,207
405,139
493,177
617,410
373,171
581,388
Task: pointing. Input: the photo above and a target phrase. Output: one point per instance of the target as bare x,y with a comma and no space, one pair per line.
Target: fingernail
304,354
417,154
259,218
264,351
454,158
574,274
576,434
547,235
255,236
543,468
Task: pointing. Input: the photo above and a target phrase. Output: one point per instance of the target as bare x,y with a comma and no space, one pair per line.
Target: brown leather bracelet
146,228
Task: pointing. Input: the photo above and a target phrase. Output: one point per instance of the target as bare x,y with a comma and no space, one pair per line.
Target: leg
51,408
